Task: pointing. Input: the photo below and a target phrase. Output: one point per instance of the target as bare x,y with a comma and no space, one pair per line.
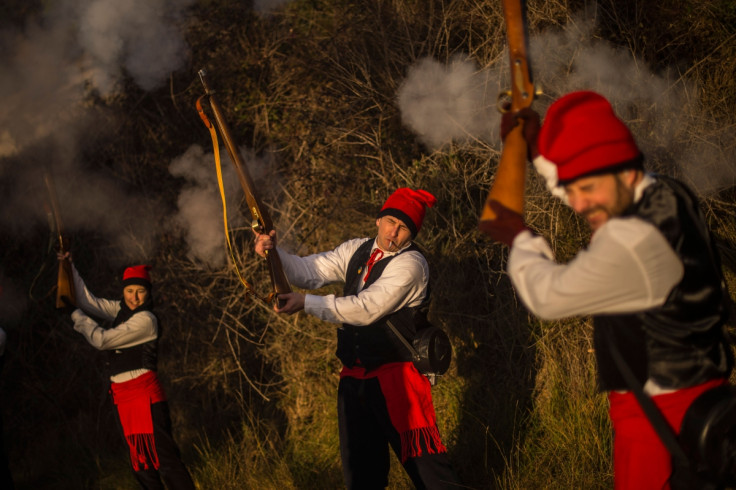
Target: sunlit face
393,234
599,198
134,295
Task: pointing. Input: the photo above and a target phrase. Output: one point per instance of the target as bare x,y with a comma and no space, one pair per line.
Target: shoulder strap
660,425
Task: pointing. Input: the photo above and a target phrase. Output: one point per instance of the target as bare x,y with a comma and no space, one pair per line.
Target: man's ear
638,175
378,222
631,176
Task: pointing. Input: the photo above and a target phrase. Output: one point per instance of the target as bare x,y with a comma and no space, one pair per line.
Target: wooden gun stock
65,293
508,185
261,219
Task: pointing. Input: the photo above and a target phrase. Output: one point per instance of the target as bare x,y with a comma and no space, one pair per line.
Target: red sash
133,399
640,460
408,397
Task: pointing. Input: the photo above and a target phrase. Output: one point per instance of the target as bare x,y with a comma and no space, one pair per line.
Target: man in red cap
382,399
650,278
132,347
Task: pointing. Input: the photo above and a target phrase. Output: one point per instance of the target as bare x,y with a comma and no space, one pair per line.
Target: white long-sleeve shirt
628,267
140,328
403,283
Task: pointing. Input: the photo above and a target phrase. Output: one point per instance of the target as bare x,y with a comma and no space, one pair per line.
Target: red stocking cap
409,206
582,136
137,274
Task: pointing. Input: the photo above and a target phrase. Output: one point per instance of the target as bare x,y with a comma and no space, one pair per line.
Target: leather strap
216,146
660,425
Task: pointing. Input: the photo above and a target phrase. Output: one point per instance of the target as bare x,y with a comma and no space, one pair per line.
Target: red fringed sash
133,399
409,401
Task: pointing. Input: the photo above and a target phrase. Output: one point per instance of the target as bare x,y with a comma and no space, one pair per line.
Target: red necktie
375,257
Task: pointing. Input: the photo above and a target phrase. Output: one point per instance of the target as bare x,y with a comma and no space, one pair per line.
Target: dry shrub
253,394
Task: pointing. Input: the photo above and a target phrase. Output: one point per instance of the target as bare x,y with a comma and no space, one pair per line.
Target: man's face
601,197
393,234
134,295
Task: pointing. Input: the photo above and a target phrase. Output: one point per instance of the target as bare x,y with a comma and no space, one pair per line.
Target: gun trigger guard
501,99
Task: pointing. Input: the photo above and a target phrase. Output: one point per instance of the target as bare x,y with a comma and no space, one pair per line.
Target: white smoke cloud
140,37
444,103
43,91
75,48
711,160
50,67
453,103
200,213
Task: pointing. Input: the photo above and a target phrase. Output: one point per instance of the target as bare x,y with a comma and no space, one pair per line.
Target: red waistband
145,385
360,372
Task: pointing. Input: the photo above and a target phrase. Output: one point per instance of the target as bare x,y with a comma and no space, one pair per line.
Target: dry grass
252,393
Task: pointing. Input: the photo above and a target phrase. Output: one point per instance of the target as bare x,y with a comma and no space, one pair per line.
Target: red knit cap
581,135
409,206
137,274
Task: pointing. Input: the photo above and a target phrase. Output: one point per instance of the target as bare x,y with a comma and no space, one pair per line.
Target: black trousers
366,433
171,472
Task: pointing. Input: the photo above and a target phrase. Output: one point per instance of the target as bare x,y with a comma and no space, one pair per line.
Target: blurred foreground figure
650,277
132,346
383,400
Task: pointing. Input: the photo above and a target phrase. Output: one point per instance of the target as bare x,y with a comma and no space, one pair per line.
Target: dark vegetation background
313,85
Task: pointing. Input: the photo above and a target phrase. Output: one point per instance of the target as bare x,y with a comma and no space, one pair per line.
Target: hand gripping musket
508,185
65,294
261,219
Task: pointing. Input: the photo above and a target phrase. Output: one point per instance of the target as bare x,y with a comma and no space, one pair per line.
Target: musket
261,219
65,294
508,185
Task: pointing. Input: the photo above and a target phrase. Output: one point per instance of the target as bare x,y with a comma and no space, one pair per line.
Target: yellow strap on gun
261,220
508,185
213,134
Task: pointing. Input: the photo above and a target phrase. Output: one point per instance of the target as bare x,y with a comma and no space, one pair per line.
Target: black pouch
433,350
430,348
708,434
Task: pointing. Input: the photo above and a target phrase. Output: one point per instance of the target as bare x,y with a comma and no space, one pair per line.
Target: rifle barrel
246,182
54,203
510,179
261,219
65,292
522,86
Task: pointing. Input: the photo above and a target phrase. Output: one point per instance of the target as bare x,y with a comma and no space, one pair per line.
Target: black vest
142,356
376,344
681,343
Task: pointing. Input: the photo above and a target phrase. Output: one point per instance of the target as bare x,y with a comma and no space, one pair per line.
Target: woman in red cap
383,401
650,277
131,344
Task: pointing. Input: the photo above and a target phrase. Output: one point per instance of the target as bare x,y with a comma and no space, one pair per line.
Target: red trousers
640,459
